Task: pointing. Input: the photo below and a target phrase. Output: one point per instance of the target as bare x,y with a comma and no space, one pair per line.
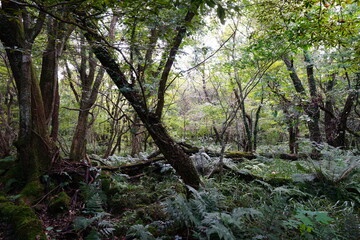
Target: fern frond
140,232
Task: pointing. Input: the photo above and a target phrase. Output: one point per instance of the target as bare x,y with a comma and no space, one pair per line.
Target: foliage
95,220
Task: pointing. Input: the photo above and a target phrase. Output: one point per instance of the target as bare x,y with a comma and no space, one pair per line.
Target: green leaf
210,3
323,217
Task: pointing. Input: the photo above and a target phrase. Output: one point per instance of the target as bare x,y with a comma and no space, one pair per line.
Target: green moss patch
59,204
23,219
32,191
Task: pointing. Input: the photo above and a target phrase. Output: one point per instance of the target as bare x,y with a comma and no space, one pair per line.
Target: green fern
140,232
205,214
96,218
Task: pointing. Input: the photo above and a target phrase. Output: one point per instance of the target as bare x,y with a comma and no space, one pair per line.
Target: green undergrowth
305,199
309,200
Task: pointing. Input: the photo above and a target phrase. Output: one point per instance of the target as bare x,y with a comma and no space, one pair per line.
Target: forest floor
261,198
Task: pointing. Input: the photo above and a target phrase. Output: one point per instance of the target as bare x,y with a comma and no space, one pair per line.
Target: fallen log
235,155
133,168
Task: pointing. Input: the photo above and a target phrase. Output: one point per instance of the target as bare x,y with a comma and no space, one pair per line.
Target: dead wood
134,167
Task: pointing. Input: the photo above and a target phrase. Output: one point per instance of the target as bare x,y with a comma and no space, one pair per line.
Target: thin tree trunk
136,137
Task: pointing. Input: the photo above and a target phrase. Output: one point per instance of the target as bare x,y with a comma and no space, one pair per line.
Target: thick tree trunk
313,108
58,33
340,137
36,151
173,153
329,116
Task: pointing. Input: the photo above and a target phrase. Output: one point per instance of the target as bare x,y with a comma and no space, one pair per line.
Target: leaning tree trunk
174,154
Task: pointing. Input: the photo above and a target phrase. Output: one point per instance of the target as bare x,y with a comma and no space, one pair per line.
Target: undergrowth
320,200
315,199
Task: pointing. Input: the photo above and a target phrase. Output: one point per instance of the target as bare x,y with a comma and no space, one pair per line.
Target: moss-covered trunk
35,148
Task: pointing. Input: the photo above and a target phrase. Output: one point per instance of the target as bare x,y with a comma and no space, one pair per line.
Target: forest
179,119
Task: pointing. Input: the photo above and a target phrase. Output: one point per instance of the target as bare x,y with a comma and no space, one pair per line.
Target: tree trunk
7,133
36,151
78,145
329,116
311,109
58,33
256,123
170,149
136,137
336,124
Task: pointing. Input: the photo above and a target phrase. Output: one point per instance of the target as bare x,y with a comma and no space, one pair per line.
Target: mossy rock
10,179
59,204
23,219
119,203
31,192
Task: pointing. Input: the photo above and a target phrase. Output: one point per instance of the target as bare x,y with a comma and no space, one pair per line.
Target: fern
336,165
96,217
249,213
93,235
181,211
140,232
204,213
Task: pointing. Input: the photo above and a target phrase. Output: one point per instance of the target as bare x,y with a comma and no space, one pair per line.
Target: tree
136,96
310,107
19,26
314,26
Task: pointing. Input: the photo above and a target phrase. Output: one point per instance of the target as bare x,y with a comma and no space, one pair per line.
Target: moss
10,179
23,219
119,203
59,204
7,163
32,191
